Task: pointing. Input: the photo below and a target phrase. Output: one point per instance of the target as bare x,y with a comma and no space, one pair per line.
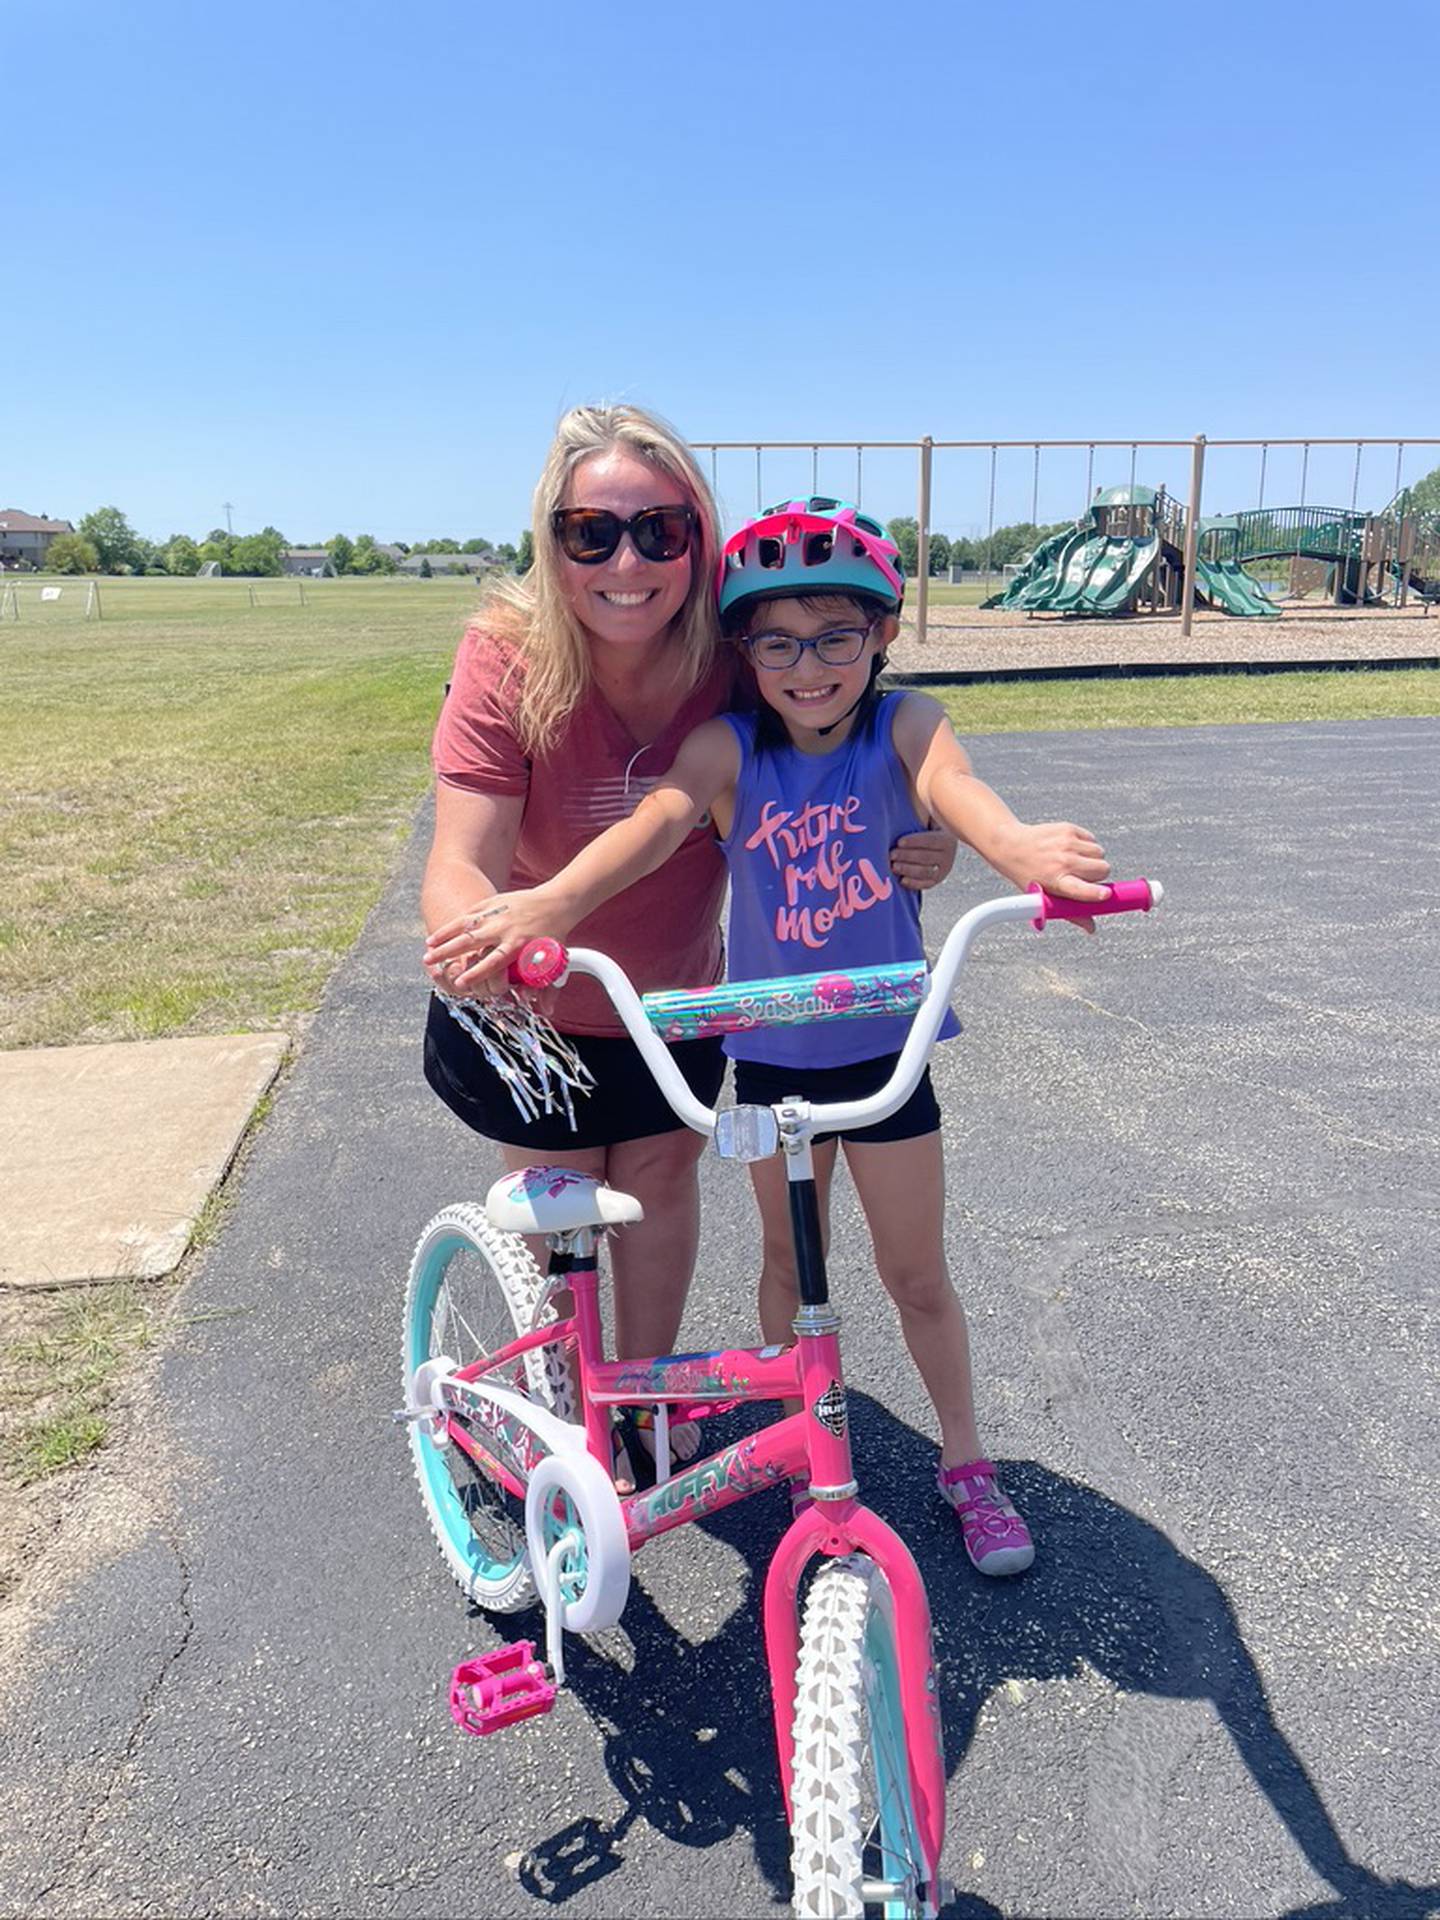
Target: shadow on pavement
688,1740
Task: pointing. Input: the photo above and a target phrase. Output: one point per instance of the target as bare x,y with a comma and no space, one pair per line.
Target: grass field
201,797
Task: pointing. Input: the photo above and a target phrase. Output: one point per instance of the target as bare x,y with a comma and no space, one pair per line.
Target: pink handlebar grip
1126,896
539,963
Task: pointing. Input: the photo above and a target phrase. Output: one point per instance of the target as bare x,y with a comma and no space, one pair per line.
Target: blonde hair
533,613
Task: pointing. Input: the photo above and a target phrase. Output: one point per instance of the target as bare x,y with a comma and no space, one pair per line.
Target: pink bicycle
509,1411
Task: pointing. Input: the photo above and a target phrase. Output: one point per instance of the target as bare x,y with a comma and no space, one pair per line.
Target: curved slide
1227,586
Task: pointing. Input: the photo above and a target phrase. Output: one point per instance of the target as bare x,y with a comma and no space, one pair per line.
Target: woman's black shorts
758,1084
625,1103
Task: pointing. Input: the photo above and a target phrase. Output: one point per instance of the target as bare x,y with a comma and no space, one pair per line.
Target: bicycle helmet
809,546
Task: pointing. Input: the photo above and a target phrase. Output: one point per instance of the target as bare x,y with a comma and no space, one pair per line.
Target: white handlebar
839,1116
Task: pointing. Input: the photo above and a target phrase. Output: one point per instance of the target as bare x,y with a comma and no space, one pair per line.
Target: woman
572,692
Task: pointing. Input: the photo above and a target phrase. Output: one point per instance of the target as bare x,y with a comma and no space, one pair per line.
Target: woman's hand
1062,857
471,954
922,860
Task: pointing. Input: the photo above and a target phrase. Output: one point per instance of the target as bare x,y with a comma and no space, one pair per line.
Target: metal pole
1132,472
1264,456
1035,490
990,531
1089,478
759,497
1304,471
814,470
859,451
1355,483
715,470
1192,535
922,596
1399,456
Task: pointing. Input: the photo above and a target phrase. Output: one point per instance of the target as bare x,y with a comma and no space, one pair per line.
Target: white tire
853,1814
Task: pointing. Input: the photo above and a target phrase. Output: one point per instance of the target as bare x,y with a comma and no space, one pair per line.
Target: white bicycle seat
557,1200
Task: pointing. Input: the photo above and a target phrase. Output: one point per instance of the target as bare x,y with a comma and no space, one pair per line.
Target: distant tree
112,537
427,572
476,546
506,554
221,551
71,553
443,546
525,553
180,554
341,551
257,553
939,553
363,557
147,557
217,537
1425,494
905,532
965,553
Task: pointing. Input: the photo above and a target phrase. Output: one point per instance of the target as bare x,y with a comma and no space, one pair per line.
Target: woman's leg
901,1185
653,1262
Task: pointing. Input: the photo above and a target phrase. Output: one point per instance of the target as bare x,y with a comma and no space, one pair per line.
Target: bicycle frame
817,1438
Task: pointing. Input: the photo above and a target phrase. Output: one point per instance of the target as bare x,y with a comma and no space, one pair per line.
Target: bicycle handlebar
742,1005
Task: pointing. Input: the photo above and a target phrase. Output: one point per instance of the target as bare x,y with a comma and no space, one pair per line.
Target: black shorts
758,1084
624,1104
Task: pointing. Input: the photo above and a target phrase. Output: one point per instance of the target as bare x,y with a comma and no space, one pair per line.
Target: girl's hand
471,954
922,860
1062,857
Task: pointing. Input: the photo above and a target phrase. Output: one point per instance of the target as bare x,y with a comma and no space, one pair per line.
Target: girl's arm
707,765
1062,857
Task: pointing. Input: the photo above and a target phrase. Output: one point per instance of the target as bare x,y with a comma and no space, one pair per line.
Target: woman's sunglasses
590,535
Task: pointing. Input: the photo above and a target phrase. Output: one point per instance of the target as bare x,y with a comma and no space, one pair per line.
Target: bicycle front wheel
472,1290
855,1840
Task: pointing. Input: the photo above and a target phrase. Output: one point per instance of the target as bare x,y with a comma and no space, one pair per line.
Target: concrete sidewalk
108,1154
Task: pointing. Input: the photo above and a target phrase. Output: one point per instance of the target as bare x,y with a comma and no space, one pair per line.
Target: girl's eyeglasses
590,535
840,647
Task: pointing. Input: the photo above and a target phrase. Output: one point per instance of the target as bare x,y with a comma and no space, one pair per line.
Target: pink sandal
996,1538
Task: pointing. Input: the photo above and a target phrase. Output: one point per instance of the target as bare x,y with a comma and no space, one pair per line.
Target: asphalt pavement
1193,1215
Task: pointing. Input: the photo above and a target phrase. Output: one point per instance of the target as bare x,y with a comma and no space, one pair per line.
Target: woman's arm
470,857
707,764
1062,857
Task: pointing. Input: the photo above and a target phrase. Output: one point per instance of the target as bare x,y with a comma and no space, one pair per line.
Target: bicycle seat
557,1200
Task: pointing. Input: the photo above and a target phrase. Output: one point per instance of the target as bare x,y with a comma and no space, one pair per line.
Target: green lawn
201,797
1190,700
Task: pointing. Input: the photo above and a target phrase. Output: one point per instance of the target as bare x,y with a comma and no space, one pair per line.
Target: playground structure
1127,552
1357,559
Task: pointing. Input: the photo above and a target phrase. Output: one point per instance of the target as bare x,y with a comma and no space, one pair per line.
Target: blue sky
343,265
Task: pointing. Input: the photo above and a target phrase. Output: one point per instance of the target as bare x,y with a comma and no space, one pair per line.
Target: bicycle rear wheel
472,1290
855,1840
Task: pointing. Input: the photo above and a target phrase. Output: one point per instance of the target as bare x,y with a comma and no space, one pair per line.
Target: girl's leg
779,1286
901,1185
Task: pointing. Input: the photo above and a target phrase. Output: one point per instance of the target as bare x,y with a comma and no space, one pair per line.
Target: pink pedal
500,1688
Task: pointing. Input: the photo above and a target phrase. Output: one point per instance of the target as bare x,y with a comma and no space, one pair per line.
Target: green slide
1227,586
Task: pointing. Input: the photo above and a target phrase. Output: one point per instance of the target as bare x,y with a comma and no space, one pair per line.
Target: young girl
806,793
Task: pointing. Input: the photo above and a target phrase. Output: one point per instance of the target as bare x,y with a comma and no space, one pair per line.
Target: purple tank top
811,886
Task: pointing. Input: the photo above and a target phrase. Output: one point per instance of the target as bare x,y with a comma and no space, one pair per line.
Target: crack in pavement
75,1875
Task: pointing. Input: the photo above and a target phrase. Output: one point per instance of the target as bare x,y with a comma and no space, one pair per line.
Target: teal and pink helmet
809,546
